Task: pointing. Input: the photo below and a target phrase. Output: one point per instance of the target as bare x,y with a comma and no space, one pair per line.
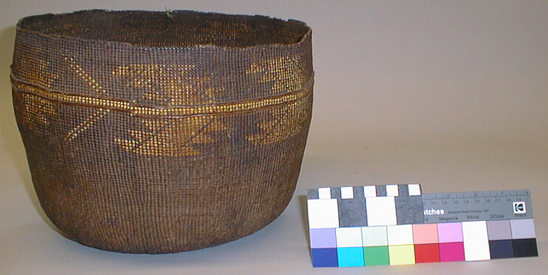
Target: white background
449,94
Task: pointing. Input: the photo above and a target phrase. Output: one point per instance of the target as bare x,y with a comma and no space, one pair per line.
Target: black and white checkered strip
357,192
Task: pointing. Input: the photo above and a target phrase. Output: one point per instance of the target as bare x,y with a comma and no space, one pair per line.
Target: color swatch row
422,243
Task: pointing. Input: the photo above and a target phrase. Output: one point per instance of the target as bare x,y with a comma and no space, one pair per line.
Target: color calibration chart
398,225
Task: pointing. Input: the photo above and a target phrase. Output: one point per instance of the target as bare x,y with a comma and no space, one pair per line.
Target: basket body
150,132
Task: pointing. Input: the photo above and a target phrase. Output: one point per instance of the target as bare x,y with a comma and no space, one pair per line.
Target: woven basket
160,132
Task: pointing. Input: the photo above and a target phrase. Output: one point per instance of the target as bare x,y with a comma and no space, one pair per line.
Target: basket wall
155,147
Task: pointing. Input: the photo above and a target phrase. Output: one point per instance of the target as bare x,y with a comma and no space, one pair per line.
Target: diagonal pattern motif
97,115
285,76
287,121
37,111
174,137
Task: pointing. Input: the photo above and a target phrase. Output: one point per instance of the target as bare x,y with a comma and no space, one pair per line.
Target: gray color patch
335,192
358,192
352,212
381,190
403,190
409,210
312,194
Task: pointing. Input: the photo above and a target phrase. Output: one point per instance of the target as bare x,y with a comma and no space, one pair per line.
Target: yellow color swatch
402,254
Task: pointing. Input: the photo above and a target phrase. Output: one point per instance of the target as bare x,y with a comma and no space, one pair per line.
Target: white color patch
349,237
324,193
369,191
414,189
476,241
323,214
400,234
381,211
392,190
347,192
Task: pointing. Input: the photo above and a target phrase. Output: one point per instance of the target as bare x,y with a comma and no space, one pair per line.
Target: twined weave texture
160,132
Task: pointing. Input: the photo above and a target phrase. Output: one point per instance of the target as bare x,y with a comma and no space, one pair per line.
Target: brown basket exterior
161,132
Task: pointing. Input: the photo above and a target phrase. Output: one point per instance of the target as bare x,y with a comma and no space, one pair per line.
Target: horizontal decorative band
126,106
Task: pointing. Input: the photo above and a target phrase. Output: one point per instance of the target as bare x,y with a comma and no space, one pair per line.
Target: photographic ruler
477,206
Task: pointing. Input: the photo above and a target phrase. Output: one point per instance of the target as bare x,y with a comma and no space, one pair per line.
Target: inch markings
477,206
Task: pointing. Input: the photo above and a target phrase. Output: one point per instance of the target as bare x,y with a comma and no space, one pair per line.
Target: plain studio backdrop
449,94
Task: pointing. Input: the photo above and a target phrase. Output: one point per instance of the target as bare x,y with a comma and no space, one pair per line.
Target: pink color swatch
450,232
425,233
451,252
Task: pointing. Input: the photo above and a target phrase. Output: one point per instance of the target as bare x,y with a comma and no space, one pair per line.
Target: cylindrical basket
160,132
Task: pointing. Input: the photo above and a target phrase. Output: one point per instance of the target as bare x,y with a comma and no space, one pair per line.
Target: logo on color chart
519,207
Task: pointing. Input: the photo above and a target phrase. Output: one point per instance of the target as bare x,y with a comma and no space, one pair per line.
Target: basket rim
68,38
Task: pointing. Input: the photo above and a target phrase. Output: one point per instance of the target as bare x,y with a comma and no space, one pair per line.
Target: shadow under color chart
398,225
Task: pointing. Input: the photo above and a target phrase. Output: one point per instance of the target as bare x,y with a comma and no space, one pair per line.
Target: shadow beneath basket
304,216
12,146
